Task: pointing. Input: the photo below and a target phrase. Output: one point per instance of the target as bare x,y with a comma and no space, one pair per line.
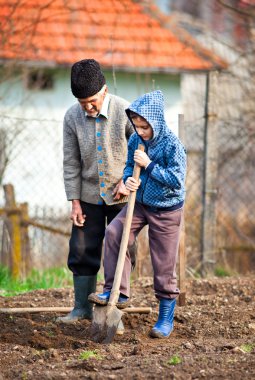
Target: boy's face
93,104
142,127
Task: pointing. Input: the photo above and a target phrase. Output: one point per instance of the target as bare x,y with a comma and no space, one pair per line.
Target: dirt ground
212,335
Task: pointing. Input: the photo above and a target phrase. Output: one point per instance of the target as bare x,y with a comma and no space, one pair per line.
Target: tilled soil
213,338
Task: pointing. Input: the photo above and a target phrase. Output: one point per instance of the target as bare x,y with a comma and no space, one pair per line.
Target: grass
50,278
85,355
222,272
175,359
247,347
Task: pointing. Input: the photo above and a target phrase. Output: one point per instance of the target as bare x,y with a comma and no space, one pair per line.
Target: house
39,43
138,49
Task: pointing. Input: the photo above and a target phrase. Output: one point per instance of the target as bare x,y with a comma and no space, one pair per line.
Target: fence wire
31,160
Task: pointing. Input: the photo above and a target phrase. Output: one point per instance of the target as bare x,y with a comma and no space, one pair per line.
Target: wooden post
210,176
15,232
182,251
25,246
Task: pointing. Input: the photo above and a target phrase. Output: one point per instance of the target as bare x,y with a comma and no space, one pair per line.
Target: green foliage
24,376
49,278
221,272
50,334
4,275
85,355
175,359
247,347
100,277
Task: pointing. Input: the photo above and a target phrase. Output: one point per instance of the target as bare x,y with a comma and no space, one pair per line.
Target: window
39,80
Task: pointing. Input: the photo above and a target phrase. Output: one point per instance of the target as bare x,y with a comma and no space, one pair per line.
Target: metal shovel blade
113,318
98,322
105,323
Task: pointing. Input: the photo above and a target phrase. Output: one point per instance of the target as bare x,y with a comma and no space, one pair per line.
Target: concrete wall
32,121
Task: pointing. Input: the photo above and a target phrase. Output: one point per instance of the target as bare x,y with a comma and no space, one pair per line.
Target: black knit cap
87,78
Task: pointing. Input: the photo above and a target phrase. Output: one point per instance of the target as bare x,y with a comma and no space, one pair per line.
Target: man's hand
141,158
132,184
120,191
76,214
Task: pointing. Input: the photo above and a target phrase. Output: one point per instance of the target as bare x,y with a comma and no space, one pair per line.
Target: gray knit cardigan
95,152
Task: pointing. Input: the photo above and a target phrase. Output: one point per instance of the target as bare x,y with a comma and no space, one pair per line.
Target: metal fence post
210,174
182,251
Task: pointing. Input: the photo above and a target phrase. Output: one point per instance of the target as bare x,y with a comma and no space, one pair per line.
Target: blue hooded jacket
163,181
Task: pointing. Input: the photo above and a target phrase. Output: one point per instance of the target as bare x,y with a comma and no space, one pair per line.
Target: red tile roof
114,32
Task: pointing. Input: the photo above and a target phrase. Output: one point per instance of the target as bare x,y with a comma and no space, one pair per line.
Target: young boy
159,203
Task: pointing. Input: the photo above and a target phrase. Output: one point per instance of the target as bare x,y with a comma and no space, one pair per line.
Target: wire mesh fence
235,200
235,216
31,160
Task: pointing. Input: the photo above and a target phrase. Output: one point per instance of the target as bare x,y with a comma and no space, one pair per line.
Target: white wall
33,122
130,86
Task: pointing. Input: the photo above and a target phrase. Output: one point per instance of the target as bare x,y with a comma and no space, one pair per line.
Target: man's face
93,104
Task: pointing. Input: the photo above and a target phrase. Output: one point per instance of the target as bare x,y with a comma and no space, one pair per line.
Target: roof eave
166,70
55,65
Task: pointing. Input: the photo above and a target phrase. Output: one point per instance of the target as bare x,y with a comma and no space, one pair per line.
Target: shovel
106,318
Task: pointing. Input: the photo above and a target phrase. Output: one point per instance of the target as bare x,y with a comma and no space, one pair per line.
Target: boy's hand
141,158
120,191
132,184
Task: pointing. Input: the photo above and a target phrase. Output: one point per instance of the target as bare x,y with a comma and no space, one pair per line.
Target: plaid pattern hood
151,107
163,182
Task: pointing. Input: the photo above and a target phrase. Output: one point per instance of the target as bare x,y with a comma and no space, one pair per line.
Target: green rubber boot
83,286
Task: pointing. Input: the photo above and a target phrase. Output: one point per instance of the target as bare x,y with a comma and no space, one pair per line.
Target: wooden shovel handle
61,309
124,240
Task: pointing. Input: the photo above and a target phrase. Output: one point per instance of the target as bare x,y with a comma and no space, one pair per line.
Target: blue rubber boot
103,298
165,323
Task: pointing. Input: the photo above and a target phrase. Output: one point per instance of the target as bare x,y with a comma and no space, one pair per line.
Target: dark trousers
164,235
85,245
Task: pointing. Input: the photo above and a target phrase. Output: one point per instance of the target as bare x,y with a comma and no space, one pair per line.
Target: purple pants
164,235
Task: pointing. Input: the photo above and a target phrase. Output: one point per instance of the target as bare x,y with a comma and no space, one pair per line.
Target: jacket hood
151,107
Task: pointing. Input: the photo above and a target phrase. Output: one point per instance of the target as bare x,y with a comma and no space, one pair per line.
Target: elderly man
96,131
